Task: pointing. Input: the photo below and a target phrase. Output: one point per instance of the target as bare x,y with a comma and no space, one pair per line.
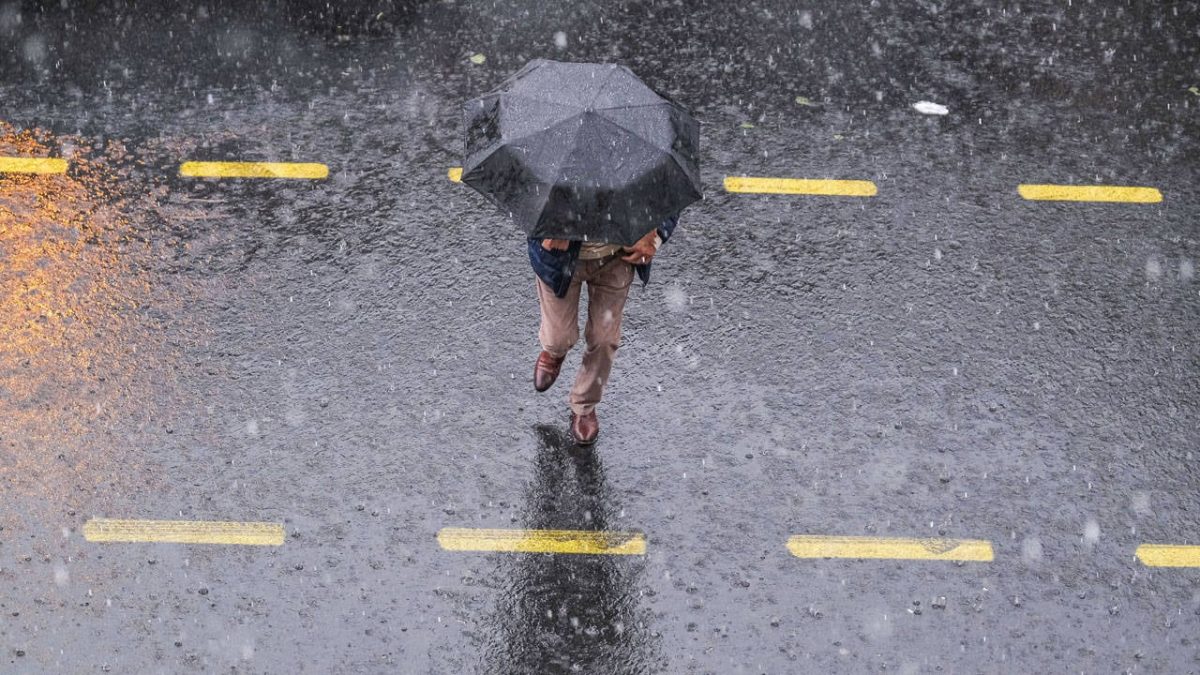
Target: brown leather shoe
585,428
545,371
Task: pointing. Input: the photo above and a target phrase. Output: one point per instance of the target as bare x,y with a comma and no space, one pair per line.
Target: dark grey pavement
351,357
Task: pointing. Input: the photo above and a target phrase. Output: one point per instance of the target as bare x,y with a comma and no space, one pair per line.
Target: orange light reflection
78,356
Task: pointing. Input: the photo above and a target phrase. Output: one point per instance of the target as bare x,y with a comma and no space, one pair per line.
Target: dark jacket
557,267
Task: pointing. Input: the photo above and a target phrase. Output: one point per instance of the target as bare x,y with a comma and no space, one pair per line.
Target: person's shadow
567,613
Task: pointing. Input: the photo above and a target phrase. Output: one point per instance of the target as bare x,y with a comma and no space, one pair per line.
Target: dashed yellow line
543,541
800,186
183,532
1090,193
253,170
816,546
455,174
1167,555
32,165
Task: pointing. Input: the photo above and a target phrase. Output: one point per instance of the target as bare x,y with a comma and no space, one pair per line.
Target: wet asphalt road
351,357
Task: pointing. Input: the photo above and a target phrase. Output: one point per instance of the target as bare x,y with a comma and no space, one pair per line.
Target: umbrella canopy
582,151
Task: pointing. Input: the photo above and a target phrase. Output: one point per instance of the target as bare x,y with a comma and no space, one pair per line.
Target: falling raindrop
1031,550
1153,269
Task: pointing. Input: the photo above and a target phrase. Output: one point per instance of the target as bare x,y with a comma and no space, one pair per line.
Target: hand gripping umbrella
582,151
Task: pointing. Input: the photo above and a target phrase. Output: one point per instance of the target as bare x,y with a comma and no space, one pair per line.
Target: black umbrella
582,151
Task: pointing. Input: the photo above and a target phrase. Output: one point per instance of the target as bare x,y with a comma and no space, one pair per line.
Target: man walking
595,166
561,267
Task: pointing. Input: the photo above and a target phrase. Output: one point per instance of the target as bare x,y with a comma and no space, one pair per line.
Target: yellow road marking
32,165
1090,193
1165,555
455,174
800,186
543,541
183,532
816,546
253,170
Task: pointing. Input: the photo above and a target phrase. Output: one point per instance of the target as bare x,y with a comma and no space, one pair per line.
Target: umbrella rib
695,179
487,151
671,152
607,81
631,131
510,141
630,107
556,174
538,99
501,142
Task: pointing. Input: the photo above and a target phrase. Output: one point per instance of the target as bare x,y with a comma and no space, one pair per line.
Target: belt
608,256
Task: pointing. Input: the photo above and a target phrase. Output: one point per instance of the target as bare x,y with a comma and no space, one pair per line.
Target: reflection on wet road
543,541
558,613
80,328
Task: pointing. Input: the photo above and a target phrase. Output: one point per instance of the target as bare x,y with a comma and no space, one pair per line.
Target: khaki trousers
608,281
